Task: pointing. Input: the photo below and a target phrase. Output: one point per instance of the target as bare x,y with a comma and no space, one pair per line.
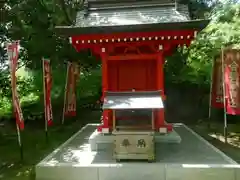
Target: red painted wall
131,74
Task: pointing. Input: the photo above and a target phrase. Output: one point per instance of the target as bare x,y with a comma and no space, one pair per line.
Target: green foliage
33,21
194,65
90,83
5,106
30,88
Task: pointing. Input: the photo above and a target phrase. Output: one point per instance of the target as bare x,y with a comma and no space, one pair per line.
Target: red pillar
104,72
160,74
105,116
160,121
160,113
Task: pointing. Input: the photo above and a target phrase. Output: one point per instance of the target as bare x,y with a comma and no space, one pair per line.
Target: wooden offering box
134,145
133,123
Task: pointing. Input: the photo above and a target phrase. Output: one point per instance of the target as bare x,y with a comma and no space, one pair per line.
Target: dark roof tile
133,16
104,16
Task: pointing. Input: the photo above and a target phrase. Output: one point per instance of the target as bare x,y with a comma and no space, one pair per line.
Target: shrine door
126,75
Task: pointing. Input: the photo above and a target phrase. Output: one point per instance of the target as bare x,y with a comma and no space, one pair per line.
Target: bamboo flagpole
210,95
20,141
12,49
224,96
45,108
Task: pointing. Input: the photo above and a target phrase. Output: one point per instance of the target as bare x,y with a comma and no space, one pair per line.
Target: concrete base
193,158
172,137
98,141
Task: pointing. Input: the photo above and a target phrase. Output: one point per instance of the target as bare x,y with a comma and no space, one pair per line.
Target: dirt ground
35,146
214,134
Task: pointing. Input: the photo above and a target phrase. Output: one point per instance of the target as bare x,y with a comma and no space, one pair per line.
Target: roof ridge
127,6
129,1
106,3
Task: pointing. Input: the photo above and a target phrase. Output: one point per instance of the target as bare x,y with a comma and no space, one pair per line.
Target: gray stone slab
192,149
98,141
193,158
66,172
129,172
174,172
172,137
237,173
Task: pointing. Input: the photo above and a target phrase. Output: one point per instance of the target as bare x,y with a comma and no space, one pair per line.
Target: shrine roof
133,100
102,16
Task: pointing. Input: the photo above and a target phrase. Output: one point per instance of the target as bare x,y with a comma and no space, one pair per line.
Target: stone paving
193,158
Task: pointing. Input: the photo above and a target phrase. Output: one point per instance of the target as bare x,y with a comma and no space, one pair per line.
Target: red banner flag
12,50
70,101
47,83
231,59
217,85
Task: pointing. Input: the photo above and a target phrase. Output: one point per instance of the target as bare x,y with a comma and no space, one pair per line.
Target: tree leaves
33,22
223,31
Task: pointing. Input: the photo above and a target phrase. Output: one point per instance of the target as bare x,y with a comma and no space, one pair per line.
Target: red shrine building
132,39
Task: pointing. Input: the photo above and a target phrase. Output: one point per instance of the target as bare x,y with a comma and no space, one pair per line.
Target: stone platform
193,158
99,141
